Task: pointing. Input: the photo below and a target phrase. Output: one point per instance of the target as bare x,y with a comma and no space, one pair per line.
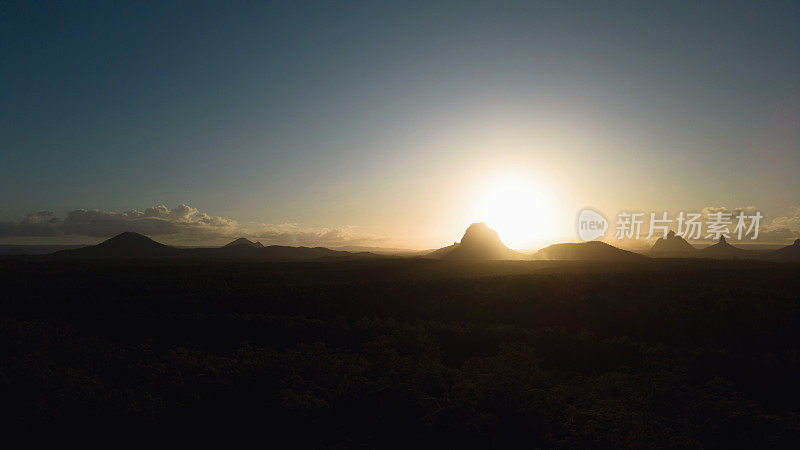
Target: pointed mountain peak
722,240
671,234
244,242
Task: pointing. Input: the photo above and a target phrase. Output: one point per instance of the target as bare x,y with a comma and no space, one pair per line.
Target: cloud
38,216
779,229
39,223
783,228
293,234
708,210
181,223
789,222
747,210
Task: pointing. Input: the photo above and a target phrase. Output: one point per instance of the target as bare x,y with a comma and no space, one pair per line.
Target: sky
393,124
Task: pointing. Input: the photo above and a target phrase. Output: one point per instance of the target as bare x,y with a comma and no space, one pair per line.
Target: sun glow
521,211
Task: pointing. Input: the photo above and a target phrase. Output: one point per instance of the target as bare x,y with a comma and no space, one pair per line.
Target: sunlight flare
519,208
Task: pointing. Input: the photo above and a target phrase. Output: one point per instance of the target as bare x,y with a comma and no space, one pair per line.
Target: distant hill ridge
130,245
788,253
588,251
676,247
478,243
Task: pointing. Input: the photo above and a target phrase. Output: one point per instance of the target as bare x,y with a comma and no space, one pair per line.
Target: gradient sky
387,120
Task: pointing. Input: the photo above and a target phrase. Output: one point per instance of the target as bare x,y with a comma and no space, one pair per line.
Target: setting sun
521,210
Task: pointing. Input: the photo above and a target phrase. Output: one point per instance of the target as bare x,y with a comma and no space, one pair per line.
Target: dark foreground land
392,352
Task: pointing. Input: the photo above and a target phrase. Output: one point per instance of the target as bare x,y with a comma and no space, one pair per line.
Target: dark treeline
393,352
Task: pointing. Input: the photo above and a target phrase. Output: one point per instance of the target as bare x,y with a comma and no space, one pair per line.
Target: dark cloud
39,223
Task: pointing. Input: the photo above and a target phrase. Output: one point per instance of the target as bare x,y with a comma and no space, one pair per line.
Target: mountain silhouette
588,251
124,245
673,246
134,245
788,253
479,243
723,250
244,242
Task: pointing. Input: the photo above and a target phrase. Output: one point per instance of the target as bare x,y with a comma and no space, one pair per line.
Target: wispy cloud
783,228
776,230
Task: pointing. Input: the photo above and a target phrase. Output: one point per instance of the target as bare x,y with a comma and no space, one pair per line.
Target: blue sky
383,120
